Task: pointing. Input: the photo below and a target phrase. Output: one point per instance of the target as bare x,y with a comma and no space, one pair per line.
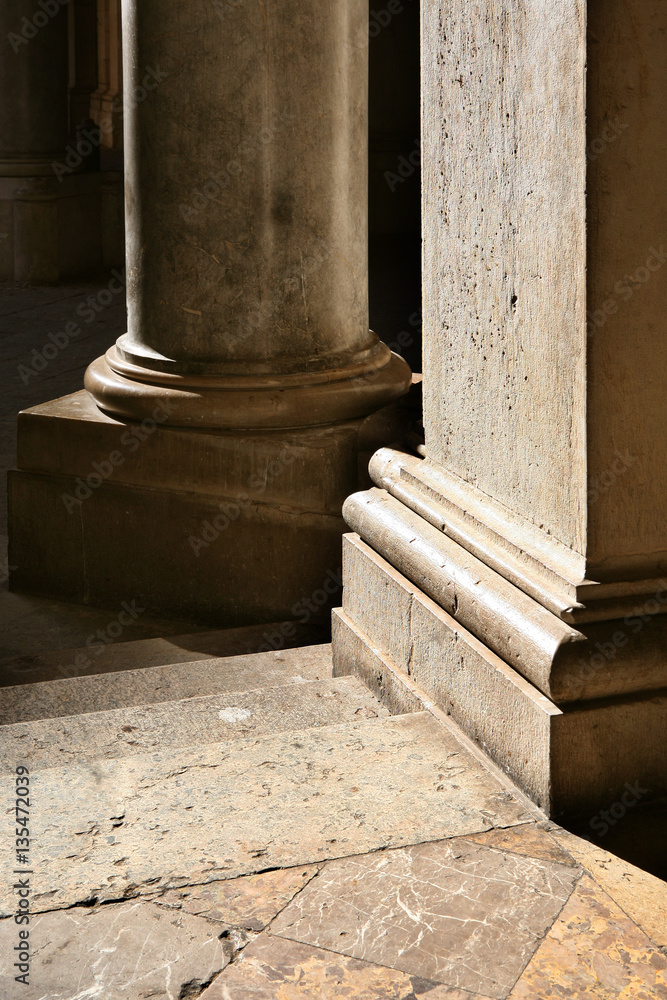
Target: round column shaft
33,84
246,211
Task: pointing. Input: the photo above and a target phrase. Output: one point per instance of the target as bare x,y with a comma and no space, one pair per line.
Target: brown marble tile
594,950
452,912
275,969
640,894
130,950
251,901
528,840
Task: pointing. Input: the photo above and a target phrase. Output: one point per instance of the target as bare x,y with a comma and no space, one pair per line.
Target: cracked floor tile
452,912
594,950
250,902
275,969
529,840
126,951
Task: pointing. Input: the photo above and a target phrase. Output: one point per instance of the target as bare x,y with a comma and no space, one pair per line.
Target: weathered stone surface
166,648
152,685
249,902
642,896
464,686
594,950
195,721
37,626
195,815
566,759
275,969
443,912
528,840
129,951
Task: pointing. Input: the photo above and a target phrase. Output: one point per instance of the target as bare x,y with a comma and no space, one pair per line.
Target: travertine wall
545,358
504,253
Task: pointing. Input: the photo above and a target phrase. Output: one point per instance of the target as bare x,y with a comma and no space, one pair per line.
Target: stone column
248,364
524,545
107,101
50,213
247,256
83,60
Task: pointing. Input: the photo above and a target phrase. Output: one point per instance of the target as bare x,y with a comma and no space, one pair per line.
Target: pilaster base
56,230
572,757
228,527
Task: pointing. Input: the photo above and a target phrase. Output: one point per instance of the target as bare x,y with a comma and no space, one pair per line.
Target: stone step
169,682
107,654
136,825
167,725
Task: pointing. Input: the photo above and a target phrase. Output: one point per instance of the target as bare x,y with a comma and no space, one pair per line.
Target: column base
571,757
227,527
60,230
130,391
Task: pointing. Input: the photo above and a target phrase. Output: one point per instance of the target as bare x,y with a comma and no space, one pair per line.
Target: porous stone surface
101,736
641,895
152,685
115,828
594,949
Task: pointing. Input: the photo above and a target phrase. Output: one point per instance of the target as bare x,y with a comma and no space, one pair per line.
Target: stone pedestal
51,215
248,363
526,541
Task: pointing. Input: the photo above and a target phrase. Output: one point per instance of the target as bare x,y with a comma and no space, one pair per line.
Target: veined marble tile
528,839
452,912
125,951
275,969
250,902
594,950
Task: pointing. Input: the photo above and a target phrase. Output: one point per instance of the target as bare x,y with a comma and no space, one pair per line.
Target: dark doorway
395,176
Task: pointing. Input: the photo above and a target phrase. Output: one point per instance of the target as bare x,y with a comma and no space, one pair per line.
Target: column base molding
57,231
570,758
129,391
525,555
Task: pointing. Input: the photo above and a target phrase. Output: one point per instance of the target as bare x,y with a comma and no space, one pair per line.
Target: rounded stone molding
129,392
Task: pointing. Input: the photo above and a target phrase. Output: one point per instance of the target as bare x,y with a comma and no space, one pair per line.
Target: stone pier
514,565
53,216
206,466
